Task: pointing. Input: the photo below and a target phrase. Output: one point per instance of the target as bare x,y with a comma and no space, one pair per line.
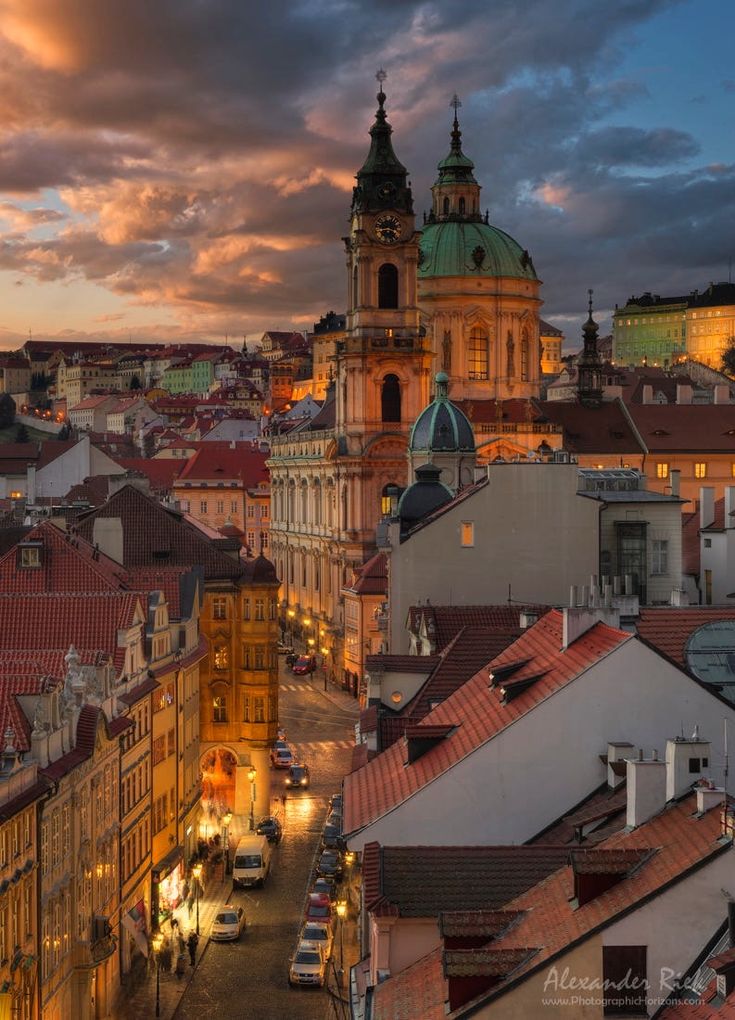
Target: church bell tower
383,364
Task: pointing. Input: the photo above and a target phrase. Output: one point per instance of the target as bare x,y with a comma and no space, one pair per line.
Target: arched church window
390,399
291,503
461,206
478,356
387,286
445,207
354,288
524,355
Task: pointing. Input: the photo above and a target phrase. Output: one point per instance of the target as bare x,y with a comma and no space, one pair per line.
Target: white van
252,861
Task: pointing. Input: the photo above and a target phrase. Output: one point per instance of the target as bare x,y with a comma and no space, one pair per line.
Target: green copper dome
442,427
470,248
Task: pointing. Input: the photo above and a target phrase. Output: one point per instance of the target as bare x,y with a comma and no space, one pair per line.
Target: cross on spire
456,103
380,77
590,292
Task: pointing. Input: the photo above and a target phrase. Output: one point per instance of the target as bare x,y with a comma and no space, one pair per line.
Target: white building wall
532,532
71,468
664,523
547,761
719,559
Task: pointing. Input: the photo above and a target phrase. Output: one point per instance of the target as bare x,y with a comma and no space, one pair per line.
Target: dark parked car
291,657
324,884
335,802
271,828
330,864
335,820
303,665
332,837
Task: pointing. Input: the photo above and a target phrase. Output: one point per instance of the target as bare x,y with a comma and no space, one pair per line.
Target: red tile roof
212,463
68,564
551,921
604,429
669,630
478,713
686,428
161,472
372,576
704,1009
444,622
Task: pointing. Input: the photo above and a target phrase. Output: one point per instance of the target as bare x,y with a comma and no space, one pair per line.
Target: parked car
330,864
335,802
298,777
318,908
228,923
271,828
308,965
291,657
318,931
335,821
324,884
280,734
304,664
282,757
332,837
284,649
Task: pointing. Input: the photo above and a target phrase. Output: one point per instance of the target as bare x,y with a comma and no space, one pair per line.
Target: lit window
220,657
477,354
467,534
220,709
662,471
700,470
30,556
219,609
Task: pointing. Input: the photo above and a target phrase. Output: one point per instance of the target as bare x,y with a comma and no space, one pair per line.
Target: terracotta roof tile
478,713
68,564
445,622
372,577
604,429
669,630
684,428
212,463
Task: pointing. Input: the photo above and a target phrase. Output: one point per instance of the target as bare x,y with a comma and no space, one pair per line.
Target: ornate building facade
462,296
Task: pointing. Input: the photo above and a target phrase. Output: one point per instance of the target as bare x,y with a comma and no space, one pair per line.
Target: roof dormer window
29,555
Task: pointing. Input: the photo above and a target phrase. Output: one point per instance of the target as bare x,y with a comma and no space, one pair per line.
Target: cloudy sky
182,168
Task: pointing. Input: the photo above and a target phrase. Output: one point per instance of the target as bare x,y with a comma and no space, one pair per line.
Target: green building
650,330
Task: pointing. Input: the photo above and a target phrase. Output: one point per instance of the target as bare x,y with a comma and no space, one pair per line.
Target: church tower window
445,207
461,207
387,286
390,399
478,354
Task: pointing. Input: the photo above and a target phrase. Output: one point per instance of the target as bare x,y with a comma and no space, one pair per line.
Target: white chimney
646,789
679,597
675,476
31,485
683,393
617,752
647,396
729,506
687,761
708,796
721,393
706,506
107,533
577,621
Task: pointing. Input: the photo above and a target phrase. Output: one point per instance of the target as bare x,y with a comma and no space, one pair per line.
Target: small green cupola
456,193
382,180
443,436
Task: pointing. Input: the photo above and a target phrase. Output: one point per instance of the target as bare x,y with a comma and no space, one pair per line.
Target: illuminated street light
197,873
251,776
341,913
157,946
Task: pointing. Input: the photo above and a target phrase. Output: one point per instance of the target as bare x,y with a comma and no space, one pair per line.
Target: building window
390,399
260,609
159,749
660,556
477,354
246,709
30,556
467,534
662,471
220,709
708,543
700,470
221,658
202,506
251,511
219,609
258,709
259,657
388,286
624,980
171,741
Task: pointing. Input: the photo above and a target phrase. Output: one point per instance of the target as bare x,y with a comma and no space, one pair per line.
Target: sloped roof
686,428
167,539
669,630
68,564
89,403
489,412
603,429
372,576
477,713
550,921
214,462
52,449
445,622
423,881
161,472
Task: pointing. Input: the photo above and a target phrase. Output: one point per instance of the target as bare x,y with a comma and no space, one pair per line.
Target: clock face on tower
388,229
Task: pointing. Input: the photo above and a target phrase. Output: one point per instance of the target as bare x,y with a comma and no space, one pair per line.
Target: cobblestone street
248,980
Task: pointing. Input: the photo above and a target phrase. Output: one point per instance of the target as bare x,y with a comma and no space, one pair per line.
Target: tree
728,357
21,434
7,410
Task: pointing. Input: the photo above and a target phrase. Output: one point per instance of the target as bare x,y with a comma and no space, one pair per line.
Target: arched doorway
218,767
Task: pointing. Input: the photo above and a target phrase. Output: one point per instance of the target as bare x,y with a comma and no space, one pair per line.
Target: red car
318,908
282,757
304,664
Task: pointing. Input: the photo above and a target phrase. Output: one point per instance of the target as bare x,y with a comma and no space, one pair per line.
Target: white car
308,965
227,924
318,931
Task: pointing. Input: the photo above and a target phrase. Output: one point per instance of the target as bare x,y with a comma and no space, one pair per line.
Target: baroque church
448,310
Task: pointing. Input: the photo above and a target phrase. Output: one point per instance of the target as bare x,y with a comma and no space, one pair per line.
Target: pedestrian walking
174,927
192,942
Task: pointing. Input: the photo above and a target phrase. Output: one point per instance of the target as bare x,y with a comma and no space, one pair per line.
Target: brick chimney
107,534
683,393
721,393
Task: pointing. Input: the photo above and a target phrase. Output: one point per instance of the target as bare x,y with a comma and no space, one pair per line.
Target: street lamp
197,873
157,946
251,776
226,819
341,913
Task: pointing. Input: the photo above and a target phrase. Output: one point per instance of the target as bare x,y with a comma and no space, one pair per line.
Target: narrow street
248,980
